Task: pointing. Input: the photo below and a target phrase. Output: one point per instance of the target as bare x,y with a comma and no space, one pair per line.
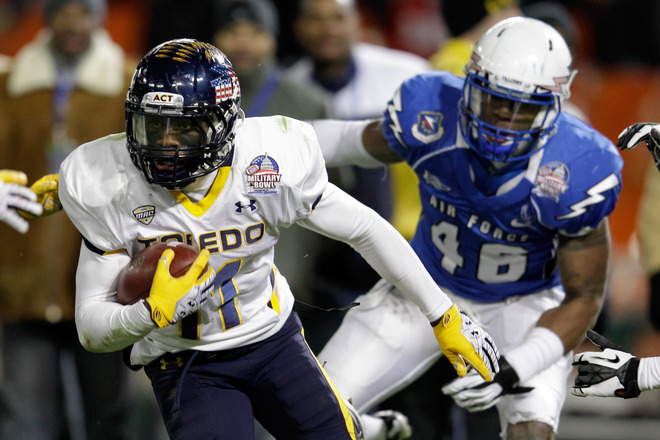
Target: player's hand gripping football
473,394
611,372
14,195
172,299
646,132
463,342
48,196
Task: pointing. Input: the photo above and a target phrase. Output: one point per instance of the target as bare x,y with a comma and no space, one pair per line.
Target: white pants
385,343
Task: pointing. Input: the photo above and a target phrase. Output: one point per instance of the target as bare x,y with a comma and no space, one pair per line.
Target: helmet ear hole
522,64
182,83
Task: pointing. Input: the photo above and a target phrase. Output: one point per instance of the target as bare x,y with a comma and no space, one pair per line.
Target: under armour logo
177,362
240,207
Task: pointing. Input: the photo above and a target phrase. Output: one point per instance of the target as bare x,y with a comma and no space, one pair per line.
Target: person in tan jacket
64,88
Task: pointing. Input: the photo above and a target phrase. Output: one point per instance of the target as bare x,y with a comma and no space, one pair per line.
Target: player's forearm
103,324
108,326
572,319
583,265
557,332
583,269
341,217
540,349
393,258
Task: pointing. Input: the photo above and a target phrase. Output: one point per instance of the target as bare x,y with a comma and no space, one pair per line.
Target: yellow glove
172,299
48,196
463,341
13,176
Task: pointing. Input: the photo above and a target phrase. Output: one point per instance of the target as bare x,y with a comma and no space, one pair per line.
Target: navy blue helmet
182,110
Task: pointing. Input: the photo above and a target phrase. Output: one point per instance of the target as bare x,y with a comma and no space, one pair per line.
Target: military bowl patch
552,180
263,175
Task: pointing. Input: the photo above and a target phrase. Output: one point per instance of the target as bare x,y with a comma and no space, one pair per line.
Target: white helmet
519,72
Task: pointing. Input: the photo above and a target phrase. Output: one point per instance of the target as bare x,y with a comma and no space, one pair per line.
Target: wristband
540,349
648,373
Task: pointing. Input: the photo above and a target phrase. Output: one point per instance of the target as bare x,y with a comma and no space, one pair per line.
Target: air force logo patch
144,214
428,127
263,175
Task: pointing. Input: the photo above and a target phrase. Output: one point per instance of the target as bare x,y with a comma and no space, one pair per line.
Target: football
135,279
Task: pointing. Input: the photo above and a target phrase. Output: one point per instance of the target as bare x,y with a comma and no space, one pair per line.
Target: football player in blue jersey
515,199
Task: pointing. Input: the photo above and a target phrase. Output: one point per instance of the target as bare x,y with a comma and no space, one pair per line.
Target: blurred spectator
64,88
466,21
246,31
357,80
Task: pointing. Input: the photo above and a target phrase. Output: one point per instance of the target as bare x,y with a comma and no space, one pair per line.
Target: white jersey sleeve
104,325
341,217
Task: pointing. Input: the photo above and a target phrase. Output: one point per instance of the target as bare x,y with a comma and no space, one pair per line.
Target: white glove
474,394
646,132
13,195
608,373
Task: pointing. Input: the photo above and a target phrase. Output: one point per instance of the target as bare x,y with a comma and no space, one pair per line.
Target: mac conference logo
144,214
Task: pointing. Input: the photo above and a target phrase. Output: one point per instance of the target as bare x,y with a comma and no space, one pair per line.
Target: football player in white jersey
515,198
14,195
222,345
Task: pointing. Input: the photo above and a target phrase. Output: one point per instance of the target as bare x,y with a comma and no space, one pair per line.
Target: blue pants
216,395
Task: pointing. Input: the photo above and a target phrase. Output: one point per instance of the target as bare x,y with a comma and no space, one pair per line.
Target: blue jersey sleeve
579,181
423,111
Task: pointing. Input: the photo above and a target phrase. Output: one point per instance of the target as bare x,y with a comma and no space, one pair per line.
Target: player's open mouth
498,140
164,166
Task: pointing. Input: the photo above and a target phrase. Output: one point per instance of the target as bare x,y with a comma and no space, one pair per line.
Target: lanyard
264,95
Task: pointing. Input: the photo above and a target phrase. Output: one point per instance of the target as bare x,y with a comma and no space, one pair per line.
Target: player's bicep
337,215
